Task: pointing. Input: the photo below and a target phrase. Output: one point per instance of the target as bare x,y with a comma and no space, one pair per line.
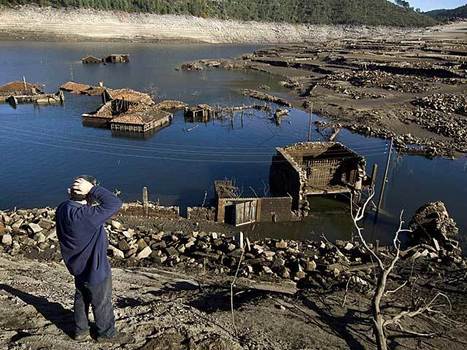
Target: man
84,243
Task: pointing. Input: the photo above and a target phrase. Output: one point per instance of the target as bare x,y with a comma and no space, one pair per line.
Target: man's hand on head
82,187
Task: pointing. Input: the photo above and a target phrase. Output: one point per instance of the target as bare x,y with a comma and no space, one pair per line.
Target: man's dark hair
79,197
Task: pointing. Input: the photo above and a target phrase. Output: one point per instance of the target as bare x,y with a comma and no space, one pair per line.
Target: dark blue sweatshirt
83,240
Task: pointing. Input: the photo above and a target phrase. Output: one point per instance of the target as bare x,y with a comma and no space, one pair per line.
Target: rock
39,237
2,229
432,222
116,253
300,275
172,252
116,225
131,252
349,246
144,253
34,228
310,266
158,259
214,235
17,224
281,244
278,262
141,244
129,233
267,270
123,245
46,224
7,239
52,235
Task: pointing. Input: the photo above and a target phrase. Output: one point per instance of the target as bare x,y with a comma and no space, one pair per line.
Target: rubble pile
341,87
444,103
431,225
32,233
378,79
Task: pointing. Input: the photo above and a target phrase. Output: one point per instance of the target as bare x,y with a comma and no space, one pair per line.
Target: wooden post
374,172
146,201
385,178
310,122
24,83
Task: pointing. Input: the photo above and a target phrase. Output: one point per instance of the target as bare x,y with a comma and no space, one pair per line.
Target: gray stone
34,228
129,233
141,244
116,225
171,251
123,245
281,244
46,224
349,246
116,253
144,253
7,240
310,266
39,237
158,259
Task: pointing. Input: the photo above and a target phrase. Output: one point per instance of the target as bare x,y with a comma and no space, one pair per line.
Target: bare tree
380,322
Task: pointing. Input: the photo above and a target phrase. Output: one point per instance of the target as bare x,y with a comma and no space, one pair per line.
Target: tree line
369,12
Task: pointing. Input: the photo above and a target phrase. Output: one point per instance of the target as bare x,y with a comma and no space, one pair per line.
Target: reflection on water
43,148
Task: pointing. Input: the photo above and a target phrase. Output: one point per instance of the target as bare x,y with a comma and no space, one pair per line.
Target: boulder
40,237
116,253
141,244
7,240
281,244
34,228
144,253
123,245
432,225
116,225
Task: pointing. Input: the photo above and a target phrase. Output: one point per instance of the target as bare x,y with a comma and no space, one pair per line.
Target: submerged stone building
141,120
316,168
235,210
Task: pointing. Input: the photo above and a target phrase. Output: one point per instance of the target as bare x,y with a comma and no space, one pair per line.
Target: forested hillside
370,12
460,12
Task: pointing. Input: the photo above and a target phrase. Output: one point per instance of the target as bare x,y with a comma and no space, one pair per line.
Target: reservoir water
43,148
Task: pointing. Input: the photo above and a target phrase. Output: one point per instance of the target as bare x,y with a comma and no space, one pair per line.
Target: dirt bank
57,24
172,289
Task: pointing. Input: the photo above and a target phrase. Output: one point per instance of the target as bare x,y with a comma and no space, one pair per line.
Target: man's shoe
118,338
81,336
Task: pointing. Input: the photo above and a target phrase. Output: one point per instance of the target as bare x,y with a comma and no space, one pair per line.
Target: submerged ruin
235,210
113,58
316,168
18,92
128,111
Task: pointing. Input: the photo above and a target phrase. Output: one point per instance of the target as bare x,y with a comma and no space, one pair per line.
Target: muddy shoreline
411,90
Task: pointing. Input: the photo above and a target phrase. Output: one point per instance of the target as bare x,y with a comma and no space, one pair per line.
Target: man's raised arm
108,203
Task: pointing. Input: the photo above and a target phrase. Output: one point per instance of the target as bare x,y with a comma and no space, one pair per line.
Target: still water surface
43,148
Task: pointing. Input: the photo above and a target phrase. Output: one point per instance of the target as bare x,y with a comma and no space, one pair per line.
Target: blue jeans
99,297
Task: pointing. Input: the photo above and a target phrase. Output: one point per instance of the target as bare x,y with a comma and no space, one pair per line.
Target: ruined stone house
141,119
201,113
91,60
316,168
19,88
117,58
235,210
